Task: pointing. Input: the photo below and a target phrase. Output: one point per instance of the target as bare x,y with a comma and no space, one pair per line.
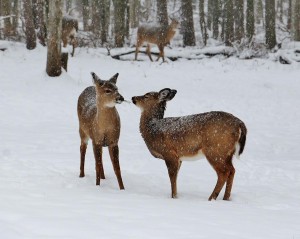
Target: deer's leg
98,161
173,169
229,182
161,53
138,44
223,172
114,155
83,146
148,50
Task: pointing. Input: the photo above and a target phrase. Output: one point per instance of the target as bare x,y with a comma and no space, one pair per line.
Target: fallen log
3,49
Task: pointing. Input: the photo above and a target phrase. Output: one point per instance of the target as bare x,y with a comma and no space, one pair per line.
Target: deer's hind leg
148,50
223,171
161,53
83,146
229,181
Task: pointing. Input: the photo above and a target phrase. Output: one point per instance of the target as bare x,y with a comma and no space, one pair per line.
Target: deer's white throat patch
195,157
110,104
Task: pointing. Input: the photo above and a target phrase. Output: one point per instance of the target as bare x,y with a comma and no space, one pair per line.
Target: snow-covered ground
41,195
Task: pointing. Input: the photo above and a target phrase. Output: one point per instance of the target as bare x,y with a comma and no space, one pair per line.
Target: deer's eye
108,91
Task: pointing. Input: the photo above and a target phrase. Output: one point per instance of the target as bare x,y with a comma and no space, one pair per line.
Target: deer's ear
97,80
167,94
114,78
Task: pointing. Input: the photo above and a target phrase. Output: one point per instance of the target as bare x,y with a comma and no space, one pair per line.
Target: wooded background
113,22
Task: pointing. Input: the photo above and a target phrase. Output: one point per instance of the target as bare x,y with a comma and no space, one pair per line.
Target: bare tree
229,26
119,17
162,12
270,24
239,20
96,18
85,14
296,20
6,11
134,13
215,18
259,12
250,27
29,25
104,19
289,21
187,24
203,22
53,67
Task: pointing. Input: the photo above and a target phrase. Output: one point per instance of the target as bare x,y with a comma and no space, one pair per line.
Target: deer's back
152,34
189,134
87,106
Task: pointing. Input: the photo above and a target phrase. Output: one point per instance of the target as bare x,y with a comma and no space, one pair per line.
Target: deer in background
216,135
69,30
100,122
159,35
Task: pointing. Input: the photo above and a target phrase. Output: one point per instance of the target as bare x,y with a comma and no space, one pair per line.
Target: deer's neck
149,119
105,112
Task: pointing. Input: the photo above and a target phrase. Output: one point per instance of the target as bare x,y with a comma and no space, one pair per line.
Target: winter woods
113,23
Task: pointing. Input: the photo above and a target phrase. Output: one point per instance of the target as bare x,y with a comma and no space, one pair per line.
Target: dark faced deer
158,35
215,135
100,122
69,30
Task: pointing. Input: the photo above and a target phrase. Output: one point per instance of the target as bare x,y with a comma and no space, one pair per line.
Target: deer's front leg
173,166
98,161
114,156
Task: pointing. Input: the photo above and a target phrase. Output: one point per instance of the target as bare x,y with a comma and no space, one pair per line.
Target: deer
159,35
216,135
99,121
69,30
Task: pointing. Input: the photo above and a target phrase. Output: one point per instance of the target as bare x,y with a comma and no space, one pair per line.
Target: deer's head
107,91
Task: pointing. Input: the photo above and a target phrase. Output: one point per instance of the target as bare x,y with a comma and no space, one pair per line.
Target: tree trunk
53,67
187,23
85,14
239,20
68,6
134,13
215,18
16,13
119,16
104,19
229,25
250,27
203,22
259,11
29,25
96,18
270,24
6,11
289,21
296,20
210,9
40,22
127,19
162,12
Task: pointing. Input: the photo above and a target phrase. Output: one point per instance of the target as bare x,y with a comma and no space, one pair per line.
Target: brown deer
99,121
216,135
159,35
69,30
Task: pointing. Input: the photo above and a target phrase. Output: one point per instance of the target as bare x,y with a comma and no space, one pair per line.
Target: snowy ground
43,197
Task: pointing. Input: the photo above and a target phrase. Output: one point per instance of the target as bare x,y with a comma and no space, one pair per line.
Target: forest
251,28
95,123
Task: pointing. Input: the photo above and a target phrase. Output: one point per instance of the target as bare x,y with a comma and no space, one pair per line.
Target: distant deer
158,35
69,30
100,122
216,135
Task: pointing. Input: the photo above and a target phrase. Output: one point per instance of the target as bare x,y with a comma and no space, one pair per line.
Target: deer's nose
133,100
120,99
